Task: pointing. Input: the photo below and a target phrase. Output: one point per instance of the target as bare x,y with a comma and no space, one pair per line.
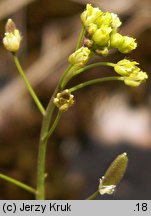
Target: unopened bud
101,36
90,15
132,74
103,52
104,19
116,40
12,37
91,29
126,67
80,57
128,45
116,22
88,43
135,79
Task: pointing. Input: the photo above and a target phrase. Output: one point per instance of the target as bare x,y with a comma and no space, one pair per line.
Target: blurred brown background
106,120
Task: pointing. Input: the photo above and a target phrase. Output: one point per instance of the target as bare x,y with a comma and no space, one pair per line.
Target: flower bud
102,36
91,29
116,40
135,79
88,43
109,19
115,21
113,175
126,67
132,74
90,15
103,52
12,37
104,19
80,57
128,45
64,100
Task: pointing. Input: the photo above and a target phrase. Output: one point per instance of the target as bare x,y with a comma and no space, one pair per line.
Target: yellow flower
116,22
128,45
132,74
109,19
102,35
126,67
135,79
91,29
116,40
90,15
12,37
80,57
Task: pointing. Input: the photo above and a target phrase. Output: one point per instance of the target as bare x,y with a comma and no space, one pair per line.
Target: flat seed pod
114,174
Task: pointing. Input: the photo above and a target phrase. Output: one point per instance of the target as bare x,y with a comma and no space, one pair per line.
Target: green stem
93,196
44,139
95,81
64,76
53,126
45,130
81,70
18,183
93,66
42,149
80,37
29,87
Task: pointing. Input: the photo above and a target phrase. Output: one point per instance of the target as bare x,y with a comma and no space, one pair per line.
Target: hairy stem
29,87
18,183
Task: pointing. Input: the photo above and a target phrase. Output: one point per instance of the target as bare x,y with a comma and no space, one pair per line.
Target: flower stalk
95,81
28,85
18,183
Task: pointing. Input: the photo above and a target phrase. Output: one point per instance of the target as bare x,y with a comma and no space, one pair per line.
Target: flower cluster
12,37
101,32
64,100
132,74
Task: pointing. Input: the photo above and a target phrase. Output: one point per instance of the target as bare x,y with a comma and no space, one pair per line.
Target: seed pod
113,175
88,43
64,100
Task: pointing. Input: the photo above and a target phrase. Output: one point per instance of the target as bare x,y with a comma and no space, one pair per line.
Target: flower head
12,37
102,29
80,57
64,100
